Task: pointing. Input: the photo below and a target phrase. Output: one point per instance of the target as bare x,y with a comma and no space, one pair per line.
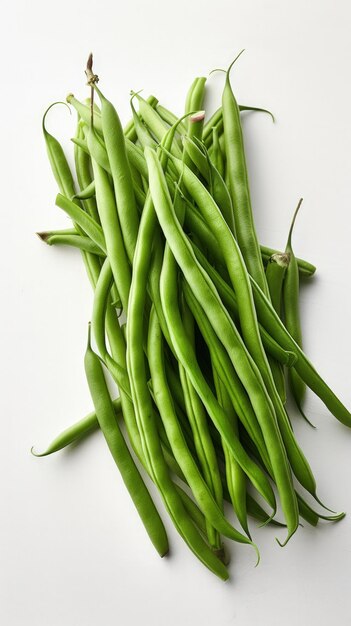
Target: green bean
77,431
292,318
141,130
195,95
239,186
96,150
111,227
58,161
275,273
120,452
101,302
193,510
257,512
59,232
86,193
194,102
76,241
136,158
120,170
236,479
215,181
84,112
84,174
129,129
244,107
198,157
278,377
217,155
173,380
194,131
87,223
213,121
306,269
312,517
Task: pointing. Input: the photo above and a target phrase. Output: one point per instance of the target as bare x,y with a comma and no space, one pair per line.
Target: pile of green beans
195,321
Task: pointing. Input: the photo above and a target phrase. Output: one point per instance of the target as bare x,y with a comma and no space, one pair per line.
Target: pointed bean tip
255,547
290,534
43,236
32,451
323,505
164,553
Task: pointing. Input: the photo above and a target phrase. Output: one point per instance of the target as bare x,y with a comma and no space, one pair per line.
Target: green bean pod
76,241
121,174
86,193
84,112
58,161
257,512
195,96
77,431
275,273
106,417
141,130
83,219
216,184
236,478
84,176
109,218
216,154
292,318
129,129
239,186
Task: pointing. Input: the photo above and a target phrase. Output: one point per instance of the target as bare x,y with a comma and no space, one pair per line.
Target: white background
72,548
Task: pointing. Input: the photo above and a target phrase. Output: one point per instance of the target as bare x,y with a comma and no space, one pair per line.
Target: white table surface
72,549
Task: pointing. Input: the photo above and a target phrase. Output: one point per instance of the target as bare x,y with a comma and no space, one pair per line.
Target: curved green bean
120,452
77,431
